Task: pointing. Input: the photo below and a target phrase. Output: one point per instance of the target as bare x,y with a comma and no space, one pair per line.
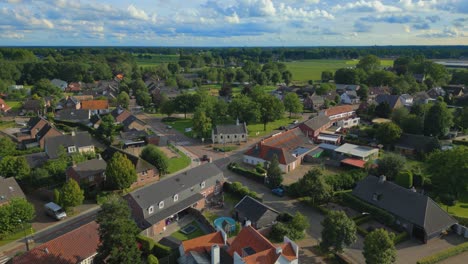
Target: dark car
278,191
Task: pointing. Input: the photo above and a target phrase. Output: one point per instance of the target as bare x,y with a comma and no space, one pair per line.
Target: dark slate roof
90,168
230,129
174,209
32,105
390,99
253,209
140,164
33,121
80,139
417,142
74,115
317,122
133,134
404,203
132,119
44,131
35,160
159,191
9,188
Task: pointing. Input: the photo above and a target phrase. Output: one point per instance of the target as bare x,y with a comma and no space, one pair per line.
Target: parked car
54,210
168,127
278,191
205,158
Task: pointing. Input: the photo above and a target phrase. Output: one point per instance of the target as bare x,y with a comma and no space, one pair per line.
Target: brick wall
143,179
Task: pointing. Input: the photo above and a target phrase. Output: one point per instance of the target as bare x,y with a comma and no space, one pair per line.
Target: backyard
178,163
189,231
460,208
15,105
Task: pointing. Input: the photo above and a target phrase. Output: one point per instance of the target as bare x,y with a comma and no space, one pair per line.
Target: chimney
99,157
248,223
279,250
73,133
382,179
215,255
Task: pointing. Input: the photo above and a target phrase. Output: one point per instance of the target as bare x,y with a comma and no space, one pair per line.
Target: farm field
312,69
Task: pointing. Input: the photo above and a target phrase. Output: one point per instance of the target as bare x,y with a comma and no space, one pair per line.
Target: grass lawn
180,125
182,237
210,216
181,162
305,70
460,208
15,236
254,128
7,124
229,198
15,105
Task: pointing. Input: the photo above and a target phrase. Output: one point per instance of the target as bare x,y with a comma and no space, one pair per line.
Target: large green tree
271,109
155,156
338,231
7,146
14,214
292,103
314,185
390,164
117,233
16,167
369,63
201,122
438,120
274,173
388,133
120,172
379,247
244,108
185,103
383,110
70,195
107,127
123,99
45,88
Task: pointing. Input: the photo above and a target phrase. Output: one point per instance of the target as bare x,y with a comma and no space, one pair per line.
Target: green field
155,60
179,163
256,130
305,70
15,105
460,208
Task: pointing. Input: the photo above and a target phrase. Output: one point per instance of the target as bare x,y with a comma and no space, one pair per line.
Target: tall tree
117,233
185,103
383,110
274,173
292,103
399,115
327,76
167,107
107,127
271,109
438,120
313,185
390,165
155,156
123,99
338,231
16,167
287,77
14,214
70,195
7,146
369,63
201,122
379,247
120,172
388,133
243,108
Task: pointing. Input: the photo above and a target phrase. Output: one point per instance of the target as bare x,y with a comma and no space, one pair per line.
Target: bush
444,254
362,219
259,169
161,251
284,217
404,179
254,175
403,236
278,231
152,259
346,180
238,190
461,220
356,203
361,231
147,244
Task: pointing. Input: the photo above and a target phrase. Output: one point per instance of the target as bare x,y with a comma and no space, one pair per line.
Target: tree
155,156
14,214
313,185
363,92
173,68
271,109
274,173
244,108
412,124
117,233
379,247
388,133
201,123
152,259
226,90
167,107
327,76
287,77
7,146
107,127
143,98
383,110
185,103
45,88
16,167
292,103
70,195
390,165
405,179
369,63
338,231
399,115
438,120
123,99
464,119
120,172
325,88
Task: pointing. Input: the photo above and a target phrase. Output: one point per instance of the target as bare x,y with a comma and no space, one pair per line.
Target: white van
55,211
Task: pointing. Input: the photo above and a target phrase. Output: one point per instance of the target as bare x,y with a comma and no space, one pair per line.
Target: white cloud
407,28
234,19
13,35
137,13
367,6
294,13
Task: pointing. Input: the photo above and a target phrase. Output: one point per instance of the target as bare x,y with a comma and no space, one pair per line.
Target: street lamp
25,235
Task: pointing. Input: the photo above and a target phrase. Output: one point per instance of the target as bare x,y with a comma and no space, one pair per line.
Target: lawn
15,105
179,163
460,208
210,216
155,60
15,236
256,130
180,125
305,70
182,237
7,124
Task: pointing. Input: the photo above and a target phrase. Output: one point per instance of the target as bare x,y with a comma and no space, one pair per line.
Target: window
235,136
202,185
176,197
228,136
71,149
243,136
191,189
151,209
221,137
91,178
161,204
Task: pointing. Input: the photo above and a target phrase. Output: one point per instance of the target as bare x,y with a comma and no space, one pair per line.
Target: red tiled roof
338,110
95,104
69,248
354,162
203,244
74,87
3,106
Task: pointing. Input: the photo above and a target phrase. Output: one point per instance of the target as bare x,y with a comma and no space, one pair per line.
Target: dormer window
176,197
71,149
161,204
376,196
151,209
202,185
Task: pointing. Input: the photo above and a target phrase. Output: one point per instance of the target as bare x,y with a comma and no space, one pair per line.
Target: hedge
403,236
356,203
238,190
444,254
147,244
247,173
362,219
161,251
361,231
152,259
461,220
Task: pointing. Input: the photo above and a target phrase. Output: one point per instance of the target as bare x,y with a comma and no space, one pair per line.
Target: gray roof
417,142
174,209
253,209
390,99
159,191
9,188
90,168
80,139
404,203
317,122
74,115
35,160
355,150
317,99
230,129
132,119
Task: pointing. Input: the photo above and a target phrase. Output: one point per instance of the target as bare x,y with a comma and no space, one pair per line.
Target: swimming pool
225,223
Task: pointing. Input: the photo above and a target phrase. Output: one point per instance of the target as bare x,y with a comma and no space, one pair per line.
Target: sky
233,22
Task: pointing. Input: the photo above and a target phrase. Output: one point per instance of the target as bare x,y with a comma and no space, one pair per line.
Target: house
259,214
314,102
406,99
421,98
76,142
120,114
341,88
393,101
90,172
33,106
83,97
436,92
290,147
419,77
312,127
355,155
60,84
46,132
229,133
454,90
96,106
418,214
349,97
133,123
375,91
81,116
158,205
133,138
146,173
342,116
4,107
410,144
77,246
73,87
249,246
9,189
16,87
95,121
69,102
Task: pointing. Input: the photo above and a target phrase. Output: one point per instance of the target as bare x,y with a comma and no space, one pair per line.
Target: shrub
161,251
259,169
238,190
361,231
362,219
356,203
284,217
278,231
254,175
346,180
403,236
147,244
461,220
444,254
152,259
404,179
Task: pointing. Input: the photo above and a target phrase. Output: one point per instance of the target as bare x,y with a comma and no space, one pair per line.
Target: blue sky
233,22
